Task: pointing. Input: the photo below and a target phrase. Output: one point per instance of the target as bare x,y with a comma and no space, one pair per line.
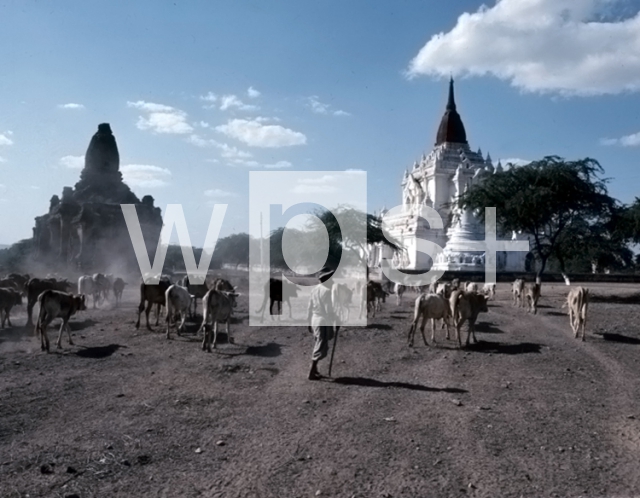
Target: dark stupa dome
451,128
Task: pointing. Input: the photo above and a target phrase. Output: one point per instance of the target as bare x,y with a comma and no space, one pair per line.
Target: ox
532,294
37,286
88,287
429,306
466,306
152,294
517,290
8,299
178,302
489,290
277,291
217,307
55,304
118,289
578,303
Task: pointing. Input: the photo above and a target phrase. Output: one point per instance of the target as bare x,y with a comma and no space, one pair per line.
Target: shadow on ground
364,382
379,326
504,348
487,328
556,313
624,339
98,352
84,324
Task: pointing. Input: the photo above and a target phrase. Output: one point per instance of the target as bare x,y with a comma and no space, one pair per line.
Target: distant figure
321,317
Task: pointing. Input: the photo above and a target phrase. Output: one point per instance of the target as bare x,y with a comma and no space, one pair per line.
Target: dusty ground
528,412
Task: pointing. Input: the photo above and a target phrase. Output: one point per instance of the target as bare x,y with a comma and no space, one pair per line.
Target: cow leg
146,314
158,309
140,310
29,314
68,332
229,338
2,318
168,321
59,341
215,335
183,319
289,303
204,337
583,313
412,330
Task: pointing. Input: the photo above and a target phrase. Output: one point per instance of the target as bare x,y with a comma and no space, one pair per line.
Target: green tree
341,242
550,199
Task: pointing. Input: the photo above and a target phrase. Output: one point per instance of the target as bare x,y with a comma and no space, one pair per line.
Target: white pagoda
436,181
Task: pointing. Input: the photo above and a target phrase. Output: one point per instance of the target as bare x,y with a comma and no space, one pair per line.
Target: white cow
178,302
217,307
472,287
399,290
578,302
518,292
489,290
429,306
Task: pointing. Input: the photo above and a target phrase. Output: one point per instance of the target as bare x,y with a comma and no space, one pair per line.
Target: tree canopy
562,204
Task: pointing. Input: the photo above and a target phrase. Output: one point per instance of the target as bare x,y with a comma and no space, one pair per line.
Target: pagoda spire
451,102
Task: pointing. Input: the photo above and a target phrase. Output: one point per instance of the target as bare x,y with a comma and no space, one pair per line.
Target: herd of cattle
451,302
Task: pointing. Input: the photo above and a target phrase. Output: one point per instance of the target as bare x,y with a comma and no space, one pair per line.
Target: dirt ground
529,411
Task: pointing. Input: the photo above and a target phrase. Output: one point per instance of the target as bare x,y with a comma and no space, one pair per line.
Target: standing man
321,318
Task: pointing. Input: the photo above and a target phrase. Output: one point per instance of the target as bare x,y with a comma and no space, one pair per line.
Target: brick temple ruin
85,229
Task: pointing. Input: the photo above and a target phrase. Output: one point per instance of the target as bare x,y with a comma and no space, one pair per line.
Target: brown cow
466,306
37,286
152,294
8,299
55,304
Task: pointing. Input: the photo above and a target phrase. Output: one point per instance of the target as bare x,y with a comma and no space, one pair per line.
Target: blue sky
199,93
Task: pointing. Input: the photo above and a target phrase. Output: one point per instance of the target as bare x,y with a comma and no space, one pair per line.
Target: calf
152,294
196,290
37,286
578,302
118,289
532,294
466,306
178,302
517,290
8,299
217,307
56,304
429,306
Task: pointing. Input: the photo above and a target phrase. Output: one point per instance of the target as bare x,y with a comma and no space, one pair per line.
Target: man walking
321,318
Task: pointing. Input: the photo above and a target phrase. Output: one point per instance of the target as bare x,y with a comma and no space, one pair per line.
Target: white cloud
71,105
632,140
256,134
233,152
563,46
209,97
145,175
321,108
201,142
2,160
204,124
279,165
34,187
253,93
72,162
218,193
229,101
4,138
227,151
161,118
